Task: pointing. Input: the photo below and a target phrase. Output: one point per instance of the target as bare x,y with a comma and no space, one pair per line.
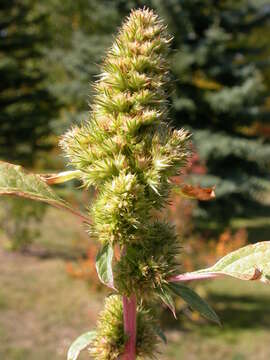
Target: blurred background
50,53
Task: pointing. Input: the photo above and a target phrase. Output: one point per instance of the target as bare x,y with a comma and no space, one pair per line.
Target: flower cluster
148,265
110,339
128,151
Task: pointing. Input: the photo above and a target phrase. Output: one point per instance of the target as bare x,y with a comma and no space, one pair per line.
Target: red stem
194,276
129,312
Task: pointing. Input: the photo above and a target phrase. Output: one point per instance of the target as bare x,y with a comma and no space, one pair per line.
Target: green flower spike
126,149
128,152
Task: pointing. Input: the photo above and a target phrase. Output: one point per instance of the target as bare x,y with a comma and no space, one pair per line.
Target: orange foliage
204,252
199,251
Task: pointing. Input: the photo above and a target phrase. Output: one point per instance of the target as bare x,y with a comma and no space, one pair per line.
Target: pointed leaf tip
195,301
165,295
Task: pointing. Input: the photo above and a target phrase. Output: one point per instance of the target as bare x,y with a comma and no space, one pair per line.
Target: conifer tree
26,105
82,31
220,95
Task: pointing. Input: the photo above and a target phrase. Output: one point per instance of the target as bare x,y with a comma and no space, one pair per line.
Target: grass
245,332
42,309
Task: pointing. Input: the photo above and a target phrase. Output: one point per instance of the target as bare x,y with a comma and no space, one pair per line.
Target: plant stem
129,312
194,276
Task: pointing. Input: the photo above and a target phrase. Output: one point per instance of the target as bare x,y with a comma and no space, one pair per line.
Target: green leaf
14,180
104,265
165,295
195,301
80,344
251,262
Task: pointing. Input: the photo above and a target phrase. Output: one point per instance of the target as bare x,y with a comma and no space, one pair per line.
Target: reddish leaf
197,192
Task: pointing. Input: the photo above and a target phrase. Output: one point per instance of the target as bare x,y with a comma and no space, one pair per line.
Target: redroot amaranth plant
128,152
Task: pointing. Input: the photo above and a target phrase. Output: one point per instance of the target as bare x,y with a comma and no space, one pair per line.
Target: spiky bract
147,266
120,210
110,339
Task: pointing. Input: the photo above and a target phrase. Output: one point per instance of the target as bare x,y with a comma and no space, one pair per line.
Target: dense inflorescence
110,340
128,151
147,266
